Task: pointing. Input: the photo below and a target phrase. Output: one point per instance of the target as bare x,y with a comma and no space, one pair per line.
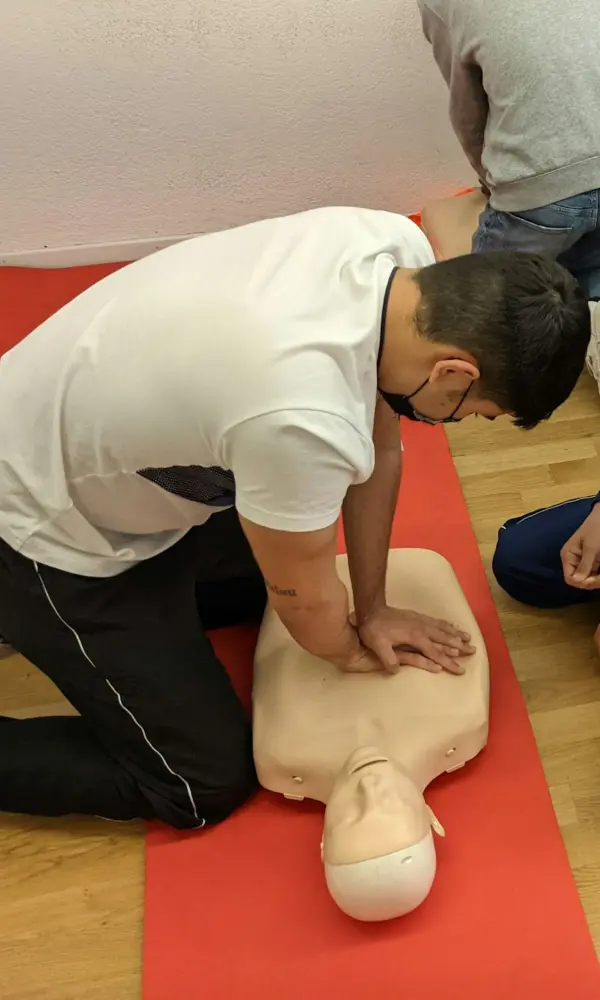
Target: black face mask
402,406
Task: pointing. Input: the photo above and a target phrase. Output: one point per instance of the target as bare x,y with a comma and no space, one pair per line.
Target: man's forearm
322,628
368,515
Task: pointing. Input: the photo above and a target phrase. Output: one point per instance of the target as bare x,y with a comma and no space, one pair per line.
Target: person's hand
405,638
580,556
363,661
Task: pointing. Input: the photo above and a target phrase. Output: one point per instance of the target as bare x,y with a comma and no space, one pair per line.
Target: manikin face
375,808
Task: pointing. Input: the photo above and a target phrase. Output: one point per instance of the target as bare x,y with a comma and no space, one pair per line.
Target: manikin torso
368,745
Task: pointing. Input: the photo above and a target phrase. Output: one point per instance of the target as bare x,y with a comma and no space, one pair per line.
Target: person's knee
219,804
195,801
518,570
505,562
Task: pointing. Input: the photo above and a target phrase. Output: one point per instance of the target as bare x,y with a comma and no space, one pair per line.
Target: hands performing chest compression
392,638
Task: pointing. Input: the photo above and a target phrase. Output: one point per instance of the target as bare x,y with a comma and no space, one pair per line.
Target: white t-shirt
234,368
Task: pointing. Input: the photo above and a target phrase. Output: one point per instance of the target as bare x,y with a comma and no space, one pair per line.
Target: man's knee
218,804
193,801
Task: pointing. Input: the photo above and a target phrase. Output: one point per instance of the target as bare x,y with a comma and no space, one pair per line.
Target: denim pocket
524,219
541,231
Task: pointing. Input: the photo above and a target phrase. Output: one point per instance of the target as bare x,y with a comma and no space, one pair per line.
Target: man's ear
449,367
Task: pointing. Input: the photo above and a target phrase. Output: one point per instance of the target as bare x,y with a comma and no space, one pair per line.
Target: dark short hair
522,317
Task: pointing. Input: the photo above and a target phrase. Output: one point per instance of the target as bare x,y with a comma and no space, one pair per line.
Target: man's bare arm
305,590
368,515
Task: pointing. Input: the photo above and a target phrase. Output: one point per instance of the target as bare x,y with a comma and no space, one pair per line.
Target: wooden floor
71,892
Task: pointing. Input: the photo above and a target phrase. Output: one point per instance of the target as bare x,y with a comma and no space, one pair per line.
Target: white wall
125,119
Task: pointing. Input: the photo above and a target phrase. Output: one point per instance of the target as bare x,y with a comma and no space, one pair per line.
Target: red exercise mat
28,296
240,912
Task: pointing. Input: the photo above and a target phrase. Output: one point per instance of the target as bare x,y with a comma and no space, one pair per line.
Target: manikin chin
368,745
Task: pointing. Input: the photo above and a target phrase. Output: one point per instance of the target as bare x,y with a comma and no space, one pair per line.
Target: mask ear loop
422,386
452,416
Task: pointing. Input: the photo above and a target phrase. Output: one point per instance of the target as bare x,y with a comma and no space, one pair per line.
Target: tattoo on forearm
279,590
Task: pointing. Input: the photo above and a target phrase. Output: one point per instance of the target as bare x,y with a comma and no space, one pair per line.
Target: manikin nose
369,781
370,786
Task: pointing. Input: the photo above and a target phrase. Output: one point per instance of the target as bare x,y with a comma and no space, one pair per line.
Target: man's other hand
406,638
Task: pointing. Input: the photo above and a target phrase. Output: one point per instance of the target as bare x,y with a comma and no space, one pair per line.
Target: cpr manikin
368,745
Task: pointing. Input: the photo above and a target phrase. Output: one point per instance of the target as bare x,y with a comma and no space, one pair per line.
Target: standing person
192,426
524,81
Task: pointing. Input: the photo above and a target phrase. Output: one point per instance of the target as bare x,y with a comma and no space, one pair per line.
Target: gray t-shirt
524,83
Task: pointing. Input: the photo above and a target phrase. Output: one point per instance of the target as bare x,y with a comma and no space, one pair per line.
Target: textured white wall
124,119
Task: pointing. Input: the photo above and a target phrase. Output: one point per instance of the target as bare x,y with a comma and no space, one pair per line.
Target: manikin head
378,849
486,334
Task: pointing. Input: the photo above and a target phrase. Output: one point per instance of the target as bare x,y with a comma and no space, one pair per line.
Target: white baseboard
80,256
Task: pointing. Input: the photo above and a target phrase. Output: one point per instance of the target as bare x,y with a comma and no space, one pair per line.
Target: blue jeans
527,561
567,231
